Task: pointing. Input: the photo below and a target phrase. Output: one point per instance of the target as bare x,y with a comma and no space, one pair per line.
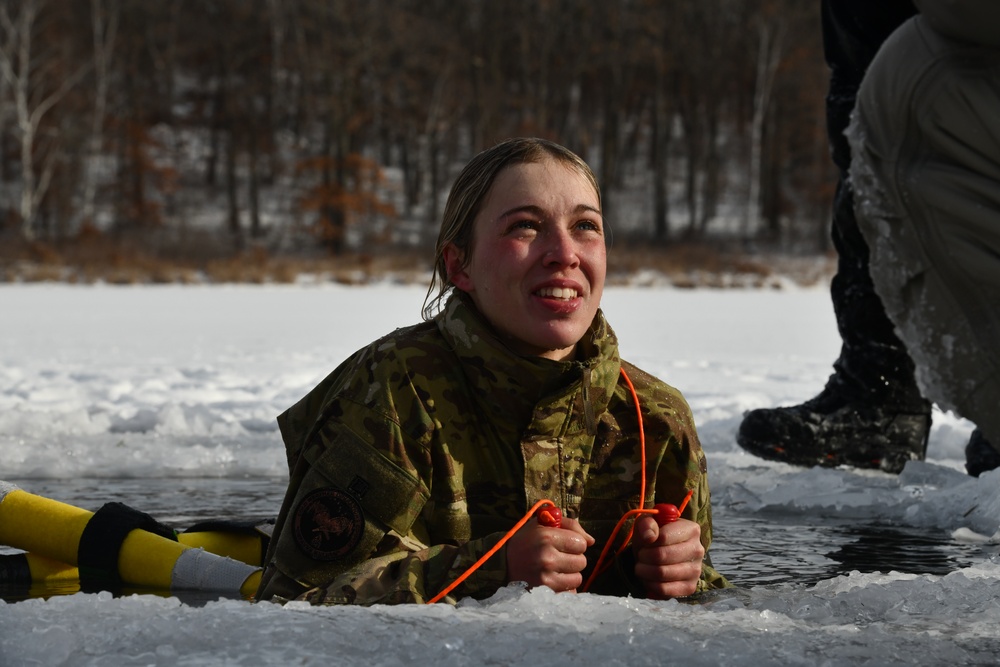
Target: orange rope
642,456
496,547
601,566
684,503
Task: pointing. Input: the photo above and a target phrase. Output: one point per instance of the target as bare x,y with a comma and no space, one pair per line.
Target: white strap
200,570
5,488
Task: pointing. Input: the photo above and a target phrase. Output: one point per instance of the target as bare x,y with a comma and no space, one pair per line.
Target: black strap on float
97,553
15,576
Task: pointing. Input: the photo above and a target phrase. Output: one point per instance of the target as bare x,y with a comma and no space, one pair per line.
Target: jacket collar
509,386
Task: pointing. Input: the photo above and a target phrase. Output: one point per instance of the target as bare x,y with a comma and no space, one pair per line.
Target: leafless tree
260,116
770,44
29,67
104,25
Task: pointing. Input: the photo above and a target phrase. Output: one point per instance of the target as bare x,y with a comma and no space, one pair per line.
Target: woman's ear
454,264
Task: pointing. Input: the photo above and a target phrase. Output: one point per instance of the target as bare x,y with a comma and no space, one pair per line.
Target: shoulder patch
328,524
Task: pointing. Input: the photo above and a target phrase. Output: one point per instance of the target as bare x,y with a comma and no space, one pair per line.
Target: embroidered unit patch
328,524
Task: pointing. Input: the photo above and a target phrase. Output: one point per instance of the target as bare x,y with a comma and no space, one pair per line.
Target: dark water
750,549
175,502
761,549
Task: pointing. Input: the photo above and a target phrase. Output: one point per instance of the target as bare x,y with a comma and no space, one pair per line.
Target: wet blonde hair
469,191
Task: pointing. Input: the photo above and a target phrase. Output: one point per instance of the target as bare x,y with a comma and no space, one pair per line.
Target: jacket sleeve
682,467
402,573
699,510
687,470
352,528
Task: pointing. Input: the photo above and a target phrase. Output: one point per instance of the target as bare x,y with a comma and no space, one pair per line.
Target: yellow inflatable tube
244,548
53,529
241,547
47,571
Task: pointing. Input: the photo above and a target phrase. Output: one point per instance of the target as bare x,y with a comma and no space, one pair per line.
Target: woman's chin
557,347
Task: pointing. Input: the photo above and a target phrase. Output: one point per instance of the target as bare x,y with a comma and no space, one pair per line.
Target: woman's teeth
557,293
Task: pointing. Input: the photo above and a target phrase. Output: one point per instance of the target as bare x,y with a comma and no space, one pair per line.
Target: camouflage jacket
417,454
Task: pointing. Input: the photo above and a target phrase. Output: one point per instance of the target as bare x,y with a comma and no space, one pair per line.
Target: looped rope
601,566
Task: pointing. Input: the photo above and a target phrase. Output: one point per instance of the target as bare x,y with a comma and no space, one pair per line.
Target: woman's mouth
561,293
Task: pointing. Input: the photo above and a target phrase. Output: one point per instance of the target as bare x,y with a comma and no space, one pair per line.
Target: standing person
925,141
871,413
414,457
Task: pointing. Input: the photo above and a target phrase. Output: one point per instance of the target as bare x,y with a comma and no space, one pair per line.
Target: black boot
980,455
830,430
871,414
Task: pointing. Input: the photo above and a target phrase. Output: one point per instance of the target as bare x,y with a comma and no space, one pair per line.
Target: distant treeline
334,123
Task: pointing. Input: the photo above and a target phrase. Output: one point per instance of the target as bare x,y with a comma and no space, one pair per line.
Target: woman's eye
526,224
589,225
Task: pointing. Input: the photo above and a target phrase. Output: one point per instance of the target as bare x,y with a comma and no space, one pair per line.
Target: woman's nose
561,249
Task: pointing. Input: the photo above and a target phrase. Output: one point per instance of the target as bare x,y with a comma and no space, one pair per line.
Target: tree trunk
232,201
768,55
104,28
659,143
253,187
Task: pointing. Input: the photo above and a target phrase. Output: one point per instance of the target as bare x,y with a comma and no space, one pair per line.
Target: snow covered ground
106,392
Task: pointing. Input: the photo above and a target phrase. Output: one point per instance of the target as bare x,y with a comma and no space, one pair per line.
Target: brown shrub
93,257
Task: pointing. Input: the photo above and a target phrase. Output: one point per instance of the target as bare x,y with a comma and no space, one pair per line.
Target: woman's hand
668,557
552,557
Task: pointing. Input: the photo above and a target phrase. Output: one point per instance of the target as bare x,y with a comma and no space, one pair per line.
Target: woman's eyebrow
527,208
540,212
587,208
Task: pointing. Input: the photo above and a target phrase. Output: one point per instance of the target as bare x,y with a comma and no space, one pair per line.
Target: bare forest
197,131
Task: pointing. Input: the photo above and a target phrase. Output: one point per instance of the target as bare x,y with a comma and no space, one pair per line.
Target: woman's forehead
549,182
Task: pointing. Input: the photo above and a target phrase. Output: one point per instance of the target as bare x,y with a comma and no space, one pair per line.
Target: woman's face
538,260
